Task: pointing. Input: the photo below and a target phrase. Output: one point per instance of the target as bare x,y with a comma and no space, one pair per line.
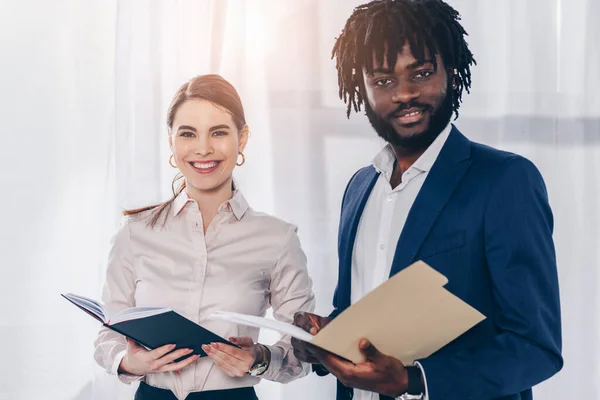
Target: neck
406,157
209,201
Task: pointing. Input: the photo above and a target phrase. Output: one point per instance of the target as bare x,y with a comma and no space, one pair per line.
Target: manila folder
410,316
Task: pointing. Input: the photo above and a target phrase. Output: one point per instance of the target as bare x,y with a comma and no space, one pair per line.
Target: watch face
407,396
258,369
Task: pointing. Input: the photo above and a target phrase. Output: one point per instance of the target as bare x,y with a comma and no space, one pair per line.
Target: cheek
437,92
180,149
227,149
371,98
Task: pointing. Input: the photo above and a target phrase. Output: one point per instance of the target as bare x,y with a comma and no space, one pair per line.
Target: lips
410,116
205,167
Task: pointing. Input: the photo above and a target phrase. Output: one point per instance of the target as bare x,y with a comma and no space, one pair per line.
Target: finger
242,341
298,344
228,358
239,354
301,320
336,365
305,356
228,363
169,358
315,322
161,351
228,369
369,350
179,365
302,351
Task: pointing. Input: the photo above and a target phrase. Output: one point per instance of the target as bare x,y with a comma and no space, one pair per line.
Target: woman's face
205,143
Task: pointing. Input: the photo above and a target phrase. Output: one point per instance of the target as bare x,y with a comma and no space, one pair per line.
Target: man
478,215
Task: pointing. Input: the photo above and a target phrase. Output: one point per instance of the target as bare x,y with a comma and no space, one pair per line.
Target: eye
187,134
422,75
383,82
220,133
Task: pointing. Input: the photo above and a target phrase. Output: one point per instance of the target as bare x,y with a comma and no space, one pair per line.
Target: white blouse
247,262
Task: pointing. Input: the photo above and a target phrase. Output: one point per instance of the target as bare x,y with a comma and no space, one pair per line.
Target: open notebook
151,327
410,316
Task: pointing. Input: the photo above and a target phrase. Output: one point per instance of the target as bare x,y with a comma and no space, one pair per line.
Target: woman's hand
139,361
233,361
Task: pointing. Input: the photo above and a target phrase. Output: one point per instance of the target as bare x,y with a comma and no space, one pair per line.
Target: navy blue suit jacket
482,219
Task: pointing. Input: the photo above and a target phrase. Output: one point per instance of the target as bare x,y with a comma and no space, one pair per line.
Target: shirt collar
385,159
237,204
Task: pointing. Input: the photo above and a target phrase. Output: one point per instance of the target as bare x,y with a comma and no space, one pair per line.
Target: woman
202,251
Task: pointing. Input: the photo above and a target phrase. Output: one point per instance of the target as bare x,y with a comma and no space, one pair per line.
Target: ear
453,76
243,138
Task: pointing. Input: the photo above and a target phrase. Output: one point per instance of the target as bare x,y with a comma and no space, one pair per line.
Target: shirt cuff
426,394
274,362
125,378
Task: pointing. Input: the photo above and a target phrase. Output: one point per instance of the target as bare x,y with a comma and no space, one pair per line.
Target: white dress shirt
246,262
382,222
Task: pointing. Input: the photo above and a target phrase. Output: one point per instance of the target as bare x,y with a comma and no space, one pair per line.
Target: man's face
410,105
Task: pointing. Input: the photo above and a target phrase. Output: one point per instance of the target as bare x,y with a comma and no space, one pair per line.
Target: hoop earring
171,163
243,159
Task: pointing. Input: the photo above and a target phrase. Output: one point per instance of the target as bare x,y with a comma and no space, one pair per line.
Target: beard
417,140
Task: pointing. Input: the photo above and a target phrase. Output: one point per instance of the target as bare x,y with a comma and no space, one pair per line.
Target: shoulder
501,165
270,223
362,174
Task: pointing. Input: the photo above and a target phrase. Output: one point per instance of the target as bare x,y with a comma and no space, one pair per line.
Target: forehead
201,114
404,59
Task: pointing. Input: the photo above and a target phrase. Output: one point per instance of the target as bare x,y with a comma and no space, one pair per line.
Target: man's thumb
369,350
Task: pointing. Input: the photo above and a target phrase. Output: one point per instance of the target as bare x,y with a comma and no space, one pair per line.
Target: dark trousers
147,392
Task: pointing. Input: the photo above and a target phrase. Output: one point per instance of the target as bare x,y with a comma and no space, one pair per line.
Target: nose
405,93
204,145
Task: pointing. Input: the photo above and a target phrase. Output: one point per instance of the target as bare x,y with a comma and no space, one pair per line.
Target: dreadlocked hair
382,27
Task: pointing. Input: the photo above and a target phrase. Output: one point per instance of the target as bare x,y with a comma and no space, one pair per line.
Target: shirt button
390,198
382,246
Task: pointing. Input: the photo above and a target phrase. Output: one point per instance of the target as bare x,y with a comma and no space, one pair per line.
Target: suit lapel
444,176
356,198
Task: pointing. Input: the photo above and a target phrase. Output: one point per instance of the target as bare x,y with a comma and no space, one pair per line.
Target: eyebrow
414,65
216,127
186,128
191,128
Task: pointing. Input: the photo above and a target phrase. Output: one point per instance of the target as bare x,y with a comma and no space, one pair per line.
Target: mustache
406,106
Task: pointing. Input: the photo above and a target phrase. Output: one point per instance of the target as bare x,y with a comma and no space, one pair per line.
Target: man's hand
379,373
312,324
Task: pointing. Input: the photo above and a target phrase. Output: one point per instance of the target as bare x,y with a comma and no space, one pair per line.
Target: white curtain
84,90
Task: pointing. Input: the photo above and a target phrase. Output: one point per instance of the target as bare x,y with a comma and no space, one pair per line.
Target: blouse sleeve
291,291
118,293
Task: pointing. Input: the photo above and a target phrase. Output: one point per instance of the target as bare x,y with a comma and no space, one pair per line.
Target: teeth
412,114
204,165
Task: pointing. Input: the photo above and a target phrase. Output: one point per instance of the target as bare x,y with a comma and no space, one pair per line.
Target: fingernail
189,351
172,346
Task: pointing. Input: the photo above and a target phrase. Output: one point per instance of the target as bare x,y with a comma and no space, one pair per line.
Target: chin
411,130
206,185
